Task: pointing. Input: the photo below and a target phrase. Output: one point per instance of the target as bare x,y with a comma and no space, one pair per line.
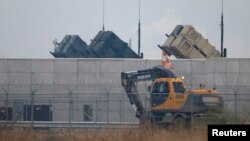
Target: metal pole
123,109
103,15
96,110
26,114
107,90
107,109
6,106
222,32
50,119
32,107
192,103
120,111
6,103
235,108
70,108
139,30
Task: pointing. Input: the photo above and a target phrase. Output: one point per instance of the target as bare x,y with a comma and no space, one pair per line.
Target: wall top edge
122,59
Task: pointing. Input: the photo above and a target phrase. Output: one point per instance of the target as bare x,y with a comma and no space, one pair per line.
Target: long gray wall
56,81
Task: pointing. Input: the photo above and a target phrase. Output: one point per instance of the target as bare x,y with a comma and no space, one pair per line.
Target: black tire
180,123
145,122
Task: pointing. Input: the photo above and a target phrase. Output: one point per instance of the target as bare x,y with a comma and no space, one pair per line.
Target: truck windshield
160,93
178,87
161,87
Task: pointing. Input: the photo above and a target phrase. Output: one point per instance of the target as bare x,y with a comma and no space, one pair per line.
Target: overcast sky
27,27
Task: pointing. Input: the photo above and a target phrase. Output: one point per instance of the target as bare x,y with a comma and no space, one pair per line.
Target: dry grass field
142,134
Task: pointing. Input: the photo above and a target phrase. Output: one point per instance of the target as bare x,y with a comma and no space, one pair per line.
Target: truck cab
167,93
170,94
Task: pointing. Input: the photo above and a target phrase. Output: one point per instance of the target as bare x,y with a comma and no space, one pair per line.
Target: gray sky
28,27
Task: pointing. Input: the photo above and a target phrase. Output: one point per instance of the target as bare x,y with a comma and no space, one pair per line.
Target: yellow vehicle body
175,100
178,101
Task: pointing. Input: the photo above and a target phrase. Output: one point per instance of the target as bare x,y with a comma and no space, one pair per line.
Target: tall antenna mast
139,29
222,31
103,14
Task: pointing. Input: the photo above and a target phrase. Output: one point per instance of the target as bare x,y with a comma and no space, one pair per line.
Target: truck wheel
180,123
145,123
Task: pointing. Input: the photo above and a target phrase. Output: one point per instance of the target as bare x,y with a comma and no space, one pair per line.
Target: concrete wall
90,81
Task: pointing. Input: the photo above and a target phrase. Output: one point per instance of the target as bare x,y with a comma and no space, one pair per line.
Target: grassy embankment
141,134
